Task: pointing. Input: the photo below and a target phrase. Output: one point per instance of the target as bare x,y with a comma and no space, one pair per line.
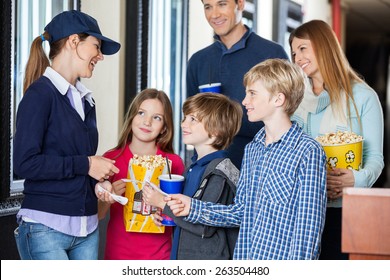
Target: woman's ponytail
37,61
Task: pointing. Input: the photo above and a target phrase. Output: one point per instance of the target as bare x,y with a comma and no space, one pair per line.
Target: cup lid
175,177
210,85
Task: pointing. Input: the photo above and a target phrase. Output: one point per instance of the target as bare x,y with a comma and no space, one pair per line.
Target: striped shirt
281,199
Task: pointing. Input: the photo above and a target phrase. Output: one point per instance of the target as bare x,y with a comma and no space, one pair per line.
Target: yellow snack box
137,214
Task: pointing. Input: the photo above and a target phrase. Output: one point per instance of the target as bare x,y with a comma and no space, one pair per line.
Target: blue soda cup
170,186
214,87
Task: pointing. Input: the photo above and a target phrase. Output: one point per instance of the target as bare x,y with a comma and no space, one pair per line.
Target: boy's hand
180,204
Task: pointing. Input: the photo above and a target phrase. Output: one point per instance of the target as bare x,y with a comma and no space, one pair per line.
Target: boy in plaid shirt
281,194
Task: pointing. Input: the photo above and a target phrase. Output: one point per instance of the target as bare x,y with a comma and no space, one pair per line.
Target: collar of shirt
290,138
63,85
206,159
237,46
196,170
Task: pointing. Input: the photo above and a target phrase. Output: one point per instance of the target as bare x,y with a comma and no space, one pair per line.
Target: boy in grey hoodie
210,123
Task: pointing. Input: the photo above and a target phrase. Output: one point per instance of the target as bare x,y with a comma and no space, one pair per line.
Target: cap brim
108,46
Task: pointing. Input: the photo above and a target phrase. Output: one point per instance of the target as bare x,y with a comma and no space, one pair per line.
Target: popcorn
149,161
343,149
137,214
339,138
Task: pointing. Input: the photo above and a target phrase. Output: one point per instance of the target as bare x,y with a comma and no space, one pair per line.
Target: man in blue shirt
281,193
236,49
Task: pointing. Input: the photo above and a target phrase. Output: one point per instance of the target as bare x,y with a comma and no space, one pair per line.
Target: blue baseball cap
75,22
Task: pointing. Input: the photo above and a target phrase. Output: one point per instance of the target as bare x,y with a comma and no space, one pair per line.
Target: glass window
31,18
168,54
249,15
27,21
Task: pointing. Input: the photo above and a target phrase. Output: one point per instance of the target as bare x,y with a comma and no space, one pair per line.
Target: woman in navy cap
56,140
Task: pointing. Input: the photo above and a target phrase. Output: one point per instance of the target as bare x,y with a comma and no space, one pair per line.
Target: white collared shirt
78,92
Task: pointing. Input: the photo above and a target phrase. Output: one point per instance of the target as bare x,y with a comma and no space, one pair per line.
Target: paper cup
170,186
348,156
215,88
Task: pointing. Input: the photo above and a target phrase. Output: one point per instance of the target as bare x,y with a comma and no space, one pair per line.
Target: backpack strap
210,170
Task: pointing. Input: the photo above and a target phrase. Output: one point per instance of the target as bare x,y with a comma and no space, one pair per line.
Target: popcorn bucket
137,215
343,149
349,156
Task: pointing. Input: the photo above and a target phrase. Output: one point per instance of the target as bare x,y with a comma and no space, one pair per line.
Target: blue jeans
39,242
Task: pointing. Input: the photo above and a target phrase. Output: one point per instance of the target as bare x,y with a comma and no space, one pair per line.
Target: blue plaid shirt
281,199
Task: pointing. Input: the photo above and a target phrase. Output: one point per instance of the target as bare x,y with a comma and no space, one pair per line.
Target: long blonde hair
334,67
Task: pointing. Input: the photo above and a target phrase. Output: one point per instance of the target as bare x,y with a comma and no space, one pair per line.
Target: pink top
122,245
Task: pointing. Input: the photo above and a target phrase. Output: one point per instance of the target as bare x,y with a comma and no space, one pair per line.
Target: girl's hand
157,219
336,180
119,187
152,197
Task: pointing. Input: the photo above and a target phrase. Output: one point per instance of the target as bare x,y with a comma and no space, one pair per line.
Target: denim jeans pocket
37,229
34,240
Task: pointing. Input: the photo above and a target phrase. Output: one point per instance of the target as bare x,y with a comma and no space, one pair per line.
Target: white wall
318,9
321,9
200,33
264,18
107,82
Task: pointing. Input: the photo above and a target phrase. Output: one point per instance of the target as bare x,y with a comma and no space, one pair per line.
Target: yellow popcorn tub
343,150
136,214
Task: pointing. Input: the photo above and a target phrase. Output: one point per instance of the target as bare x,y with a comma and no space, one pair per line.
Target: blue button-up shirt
281,199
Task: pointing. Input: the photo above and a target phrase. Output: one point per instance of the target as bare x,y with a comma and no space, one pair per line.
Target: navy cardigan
51,148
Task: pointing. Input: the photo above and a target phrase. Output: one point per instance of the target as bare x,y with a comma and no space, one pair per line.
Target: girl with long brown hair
147,130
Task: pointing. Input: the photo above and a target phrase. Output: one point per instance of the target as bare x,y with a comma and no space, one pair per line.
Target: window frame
6,62
11,188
